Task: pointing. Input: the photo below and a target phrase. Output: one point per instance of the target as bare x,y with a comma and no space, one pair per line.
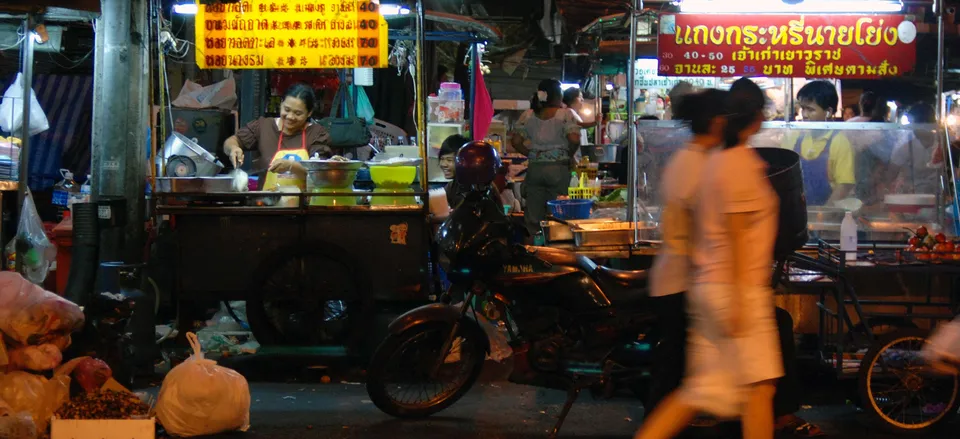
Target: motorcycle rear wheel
394,365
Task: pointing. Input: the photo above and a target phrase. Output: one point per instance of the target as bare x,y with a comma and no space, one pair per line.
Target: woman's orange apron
275,180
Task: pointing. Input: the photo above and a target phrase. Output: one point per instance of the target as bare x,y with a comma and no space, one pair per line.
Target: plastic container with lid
450,91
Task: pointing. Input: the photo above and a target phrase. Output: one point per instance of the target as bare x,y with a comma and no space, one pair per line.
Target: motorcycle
571,324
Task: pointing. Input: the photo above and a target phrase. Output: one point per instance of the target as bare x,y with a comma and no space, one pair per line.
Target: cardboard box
103,429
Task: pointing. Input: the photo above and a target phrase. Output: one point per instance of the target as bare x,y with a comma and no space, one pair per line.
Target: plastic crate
570,209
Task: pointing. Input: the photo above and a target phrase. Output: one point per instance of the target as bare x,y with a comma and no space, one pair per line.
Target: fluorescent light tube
185,8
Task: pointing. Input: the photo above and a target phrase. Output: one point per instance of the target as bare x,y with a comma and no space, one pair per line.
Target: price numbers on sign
712,56
291,34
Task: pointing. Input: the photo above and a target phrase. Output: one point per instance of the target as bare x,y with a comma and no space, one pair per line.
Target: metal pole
598,110
421,85
632,171
474,58
938,12
788,100
27,72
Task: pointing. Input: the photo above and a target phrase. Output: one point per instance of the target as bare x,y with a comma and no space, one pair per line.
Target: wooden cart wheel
308,298
900,391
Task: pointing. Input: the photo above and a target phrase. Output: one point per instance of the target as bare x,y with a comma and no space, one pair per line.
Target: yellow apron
274,180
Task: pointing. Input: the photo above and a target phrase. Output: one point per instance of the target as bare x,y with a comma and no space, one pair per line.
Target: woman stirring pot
548,135
282,142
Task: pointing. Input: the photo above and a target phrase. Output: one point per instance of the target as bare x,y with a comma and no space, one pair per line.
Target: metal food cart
869,312
315,275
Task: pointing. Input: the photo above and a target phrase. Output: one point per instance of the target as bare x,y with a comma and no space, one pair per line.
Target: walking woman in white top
671,273
734,354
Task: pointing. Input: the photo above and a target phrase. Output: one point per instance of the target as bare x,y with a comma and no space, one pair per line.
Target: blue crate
570,209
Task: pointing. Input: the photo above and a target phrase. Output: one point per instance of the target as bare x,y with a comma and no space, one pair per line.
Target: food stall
905,285
314,266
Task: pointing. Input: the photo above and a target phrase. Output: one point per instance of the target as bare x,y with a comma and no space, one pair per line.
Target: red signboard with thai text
787,46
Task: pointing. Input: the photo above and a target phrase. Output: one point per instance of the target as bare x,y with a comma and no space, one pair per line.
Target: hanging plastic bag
32,242
29,315
364,107
11,110
36,395
220,403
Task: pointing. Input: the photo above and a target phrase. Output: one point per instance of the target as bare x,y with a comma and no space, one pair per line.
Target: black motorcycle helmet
477,164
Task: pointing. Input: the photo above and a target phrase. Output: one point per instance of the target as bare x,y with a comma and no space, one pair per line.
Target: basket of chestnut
925,247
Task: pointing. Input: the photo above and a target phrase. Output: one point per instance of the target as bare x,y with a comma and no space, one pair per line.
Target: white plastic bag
221,95
39,253
29,315
199,398
36,395
11,110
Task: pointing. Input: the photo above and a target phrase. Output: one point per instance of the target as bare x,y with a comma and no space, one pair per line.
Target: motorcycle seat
620,286
626,279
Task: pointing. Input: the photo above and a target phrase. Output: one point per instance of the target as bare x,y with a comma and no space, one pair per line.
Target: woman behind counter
282,142
548,135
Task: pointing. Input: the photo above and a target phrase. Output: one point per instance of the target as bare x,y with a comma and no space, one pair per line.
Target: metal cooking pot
331,174
600,153
786,178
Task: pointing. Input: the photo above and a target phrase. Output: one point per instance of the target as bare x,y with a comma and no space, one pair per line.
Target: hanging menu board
787,46
291,34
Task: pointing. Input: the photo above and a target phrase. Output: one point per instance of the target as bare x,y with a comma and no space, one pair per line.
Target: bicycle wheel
900,391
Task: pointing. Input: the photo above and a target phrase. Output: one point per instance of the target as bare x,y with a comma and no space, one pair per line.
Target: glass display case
893,177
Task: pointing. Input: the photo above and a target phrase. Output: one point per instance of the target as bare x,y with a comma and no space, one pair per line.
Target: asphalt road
490,411
493,409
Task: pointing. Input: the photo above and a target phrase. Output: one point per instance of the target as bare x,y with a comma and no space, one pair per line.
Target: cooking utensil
185,158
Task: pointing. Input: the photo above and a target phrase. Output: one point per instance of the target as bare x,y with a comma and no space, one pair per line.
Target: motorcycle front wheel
403,379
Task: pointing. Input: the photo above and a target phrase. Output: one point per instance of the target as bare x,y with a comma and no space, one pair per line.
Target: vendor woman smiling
282,142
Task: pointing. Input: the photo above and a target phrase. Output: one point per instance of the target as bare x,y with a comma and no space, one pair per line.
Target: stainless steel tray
558,232
611,233
196,185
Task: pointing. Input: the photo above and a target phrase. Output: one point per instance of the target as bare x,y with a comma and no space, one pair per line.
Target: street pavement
494,409
490,411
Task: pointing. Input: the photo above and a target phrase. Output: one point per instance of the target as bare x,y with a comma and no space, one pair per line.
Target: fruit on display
927,247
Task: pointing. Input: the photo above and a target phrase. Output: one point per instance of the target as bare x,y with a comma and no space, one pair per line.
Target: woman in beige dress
734,355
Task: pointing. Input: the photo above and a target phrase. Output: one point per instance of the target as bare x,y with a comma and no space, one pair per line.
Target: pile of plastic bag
28,401
35,325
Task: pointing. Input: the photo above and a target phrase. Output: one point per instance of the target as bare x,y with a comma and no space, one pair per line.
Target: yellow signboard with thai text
291,34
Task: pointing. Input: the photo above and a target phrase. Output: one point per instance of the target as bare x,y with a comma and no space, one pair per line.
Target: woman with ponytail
548,134
733,348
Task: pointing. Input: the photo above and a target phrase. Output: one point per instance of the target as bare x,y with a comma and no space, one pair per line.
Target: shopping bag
32,243
364,107
347,130
11,110
221,402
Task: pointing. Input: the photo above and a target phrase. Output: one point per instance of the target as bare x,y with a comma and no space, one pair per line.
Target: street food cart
867,312
314,267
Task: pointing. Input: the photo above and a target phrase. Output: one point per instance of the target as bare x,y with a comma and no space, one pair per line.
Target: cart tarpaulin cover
483,106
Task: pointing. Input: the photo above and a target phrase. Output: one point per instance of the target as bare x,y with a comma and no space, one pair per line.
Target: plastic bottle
848,237
63,191
86,190
574,181
450,91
